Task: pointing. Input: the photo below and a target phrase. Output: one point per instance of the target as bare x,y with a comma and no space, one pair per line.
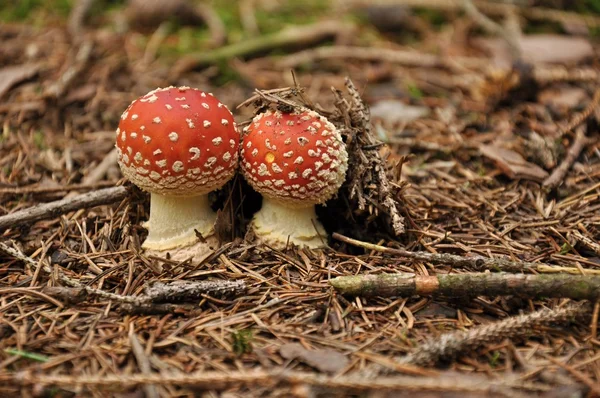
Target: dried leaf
323,359
11,75
394,111
540,49
512,164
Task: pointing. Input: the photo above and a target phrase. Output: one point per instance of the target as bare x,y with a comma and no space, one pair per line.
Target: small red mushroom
178,144
295,160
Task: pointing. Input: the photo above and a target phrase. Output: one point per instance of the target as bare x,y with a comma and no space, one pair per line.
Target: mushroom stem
173,220
276,224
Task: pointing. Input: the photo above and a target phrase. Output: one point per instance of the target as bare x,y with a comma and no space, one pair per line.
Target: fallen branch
77,18
579,144
222,381
402,57
297,35
577,287
191,290
36,189
54,209
492,27
581,117
158,292
476,262
452,345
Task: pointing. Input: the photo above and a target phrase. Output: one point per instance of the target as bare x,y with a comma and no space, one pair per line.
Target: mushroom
178,144
295,161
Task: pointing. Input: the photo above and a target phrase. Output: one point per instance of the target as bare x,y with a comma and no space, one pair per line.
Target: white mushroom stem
173,220
276,224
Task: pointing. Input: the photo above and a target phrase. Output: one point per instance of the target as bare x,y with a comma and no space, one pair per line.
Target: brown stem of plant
577,287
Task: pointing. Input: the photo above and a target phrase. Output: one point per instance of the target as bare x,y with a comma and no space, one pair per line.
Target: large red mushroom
178,143
295,160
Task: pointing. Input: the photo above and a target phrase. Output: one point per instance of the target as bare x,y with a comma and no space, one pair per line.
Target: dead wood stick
558,174
476,262
582,116
451,345
158,292
402,57
190,290
577,287
493,27
297,35
221,381
54,209
36,189
77,17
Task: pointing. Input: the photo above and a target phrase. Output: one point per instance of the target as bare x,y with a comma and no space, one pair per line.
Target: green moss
494,359
414,91
39,140
242,341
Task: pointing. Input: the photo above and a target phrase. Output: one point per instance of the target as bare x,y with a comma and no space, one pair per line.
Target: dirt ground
467,230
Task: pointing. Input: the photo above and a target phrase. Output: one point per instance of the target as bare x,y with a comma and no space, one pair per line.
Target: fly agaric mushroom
178,144
295,160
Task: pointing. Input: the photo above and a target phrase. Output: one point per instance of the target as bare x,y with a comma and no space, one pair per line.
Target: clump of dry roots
369,203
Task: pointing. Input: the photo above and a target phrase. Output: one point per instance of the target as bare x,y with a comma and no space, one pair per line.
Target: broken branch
577,287
452,345
54,209
558,174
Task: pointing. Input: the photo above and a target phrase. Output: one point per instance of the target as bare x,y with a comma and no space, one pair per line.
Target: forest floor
486,115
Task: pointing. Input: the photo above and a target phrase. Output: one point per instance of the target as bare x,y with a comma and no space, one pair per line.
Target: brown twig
475,262
216,26
579,144
395,56
577,287
190,290
584,115
221,381
157,293
36,189
77,18
54,209
494,28
452,345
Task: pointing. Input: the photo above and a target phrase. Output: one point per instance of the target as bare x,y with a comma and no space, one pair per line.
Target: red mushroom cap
297,158
178,141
